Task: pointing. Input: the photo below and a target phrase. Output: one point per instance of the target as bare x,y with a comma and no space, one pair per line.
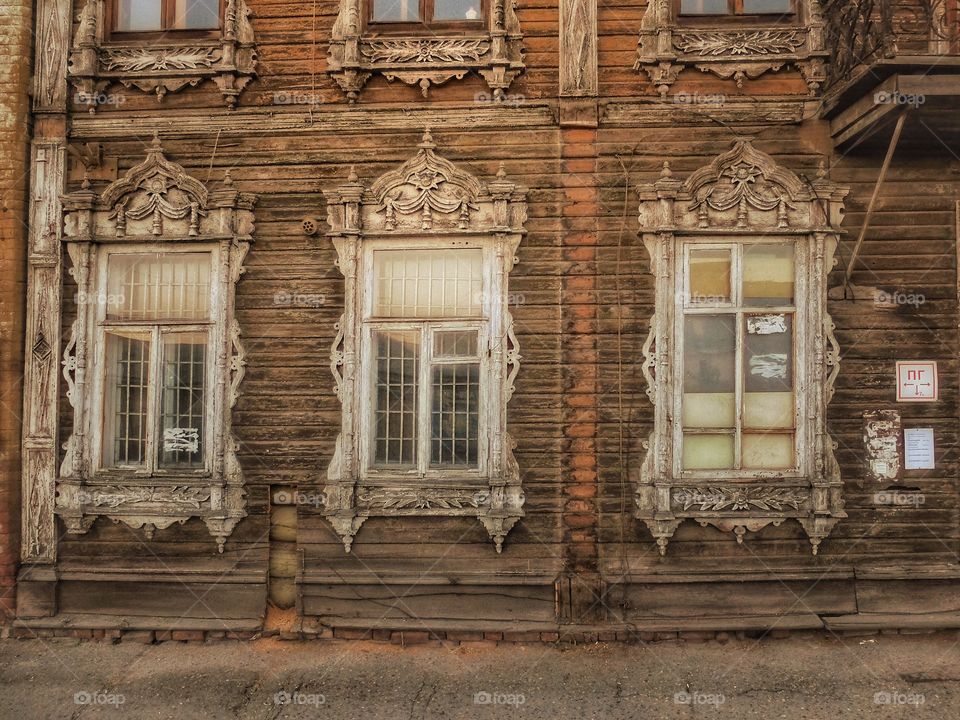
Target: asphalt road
797,678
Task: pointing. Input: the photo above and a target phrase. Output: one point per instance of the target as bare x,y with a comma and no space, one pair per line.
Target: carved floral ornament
431,201
742,194
161,67
667,47
356,53
155,201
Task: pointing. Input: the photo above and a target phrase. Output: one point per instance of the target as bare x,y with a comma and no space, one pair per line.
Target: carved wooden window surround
428,203
418,56
161,62
739,47
155,208
741,199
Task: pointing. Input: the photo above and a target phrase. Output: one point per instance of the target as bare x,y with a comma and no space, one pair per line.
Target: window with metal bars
155,330
426,330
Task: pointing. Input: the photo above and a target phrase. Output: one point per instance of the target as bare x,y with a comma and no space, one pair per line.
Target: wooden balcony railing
866,33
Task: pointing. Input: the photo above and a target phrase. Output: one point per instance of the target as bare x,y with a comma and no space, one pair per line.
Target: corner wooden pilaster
42,362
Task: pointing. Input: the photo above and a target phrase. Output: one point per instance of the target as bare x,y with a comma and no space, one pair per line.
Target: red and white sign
917,381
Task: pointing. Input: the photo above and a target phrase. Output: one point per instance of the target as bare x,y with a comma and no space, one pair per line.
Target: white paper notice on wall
918,449
182,439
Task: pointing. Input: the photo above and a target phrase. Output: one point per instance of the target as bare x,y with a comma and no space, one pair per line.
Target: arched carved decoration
161,66
428,203
742,197
730,51
425,59
155,208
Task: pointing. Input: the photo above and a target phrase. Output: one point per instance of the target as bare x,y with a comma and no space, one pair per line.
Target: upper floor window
146,16
434,13
715,8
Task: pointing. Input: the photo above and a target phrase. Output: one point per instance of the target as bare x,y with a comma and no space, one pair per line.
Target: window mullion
154,401
424,399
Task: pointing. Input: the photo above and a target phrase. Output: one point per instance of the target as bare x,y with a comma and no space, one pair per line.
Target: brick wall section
15,48
580,236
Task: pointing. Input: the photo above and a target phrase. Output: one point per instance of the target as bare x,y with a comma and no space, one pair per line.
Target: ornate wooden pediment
667,46
493,52
157,200
96,63
433,202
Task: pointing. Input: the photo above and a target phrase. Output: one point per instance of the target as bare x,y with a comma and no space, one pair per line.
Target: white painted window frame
735,308
216,333
427,203
742,196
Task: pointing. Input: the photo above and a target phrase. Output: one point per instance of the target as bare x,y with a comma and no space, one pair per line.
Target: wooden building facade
492,316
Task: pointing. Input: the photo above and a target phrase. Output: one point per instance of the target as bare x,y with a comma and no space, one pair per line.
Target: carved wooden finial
822,169
501,172
155,144
352,177
427,141
666,172
85,183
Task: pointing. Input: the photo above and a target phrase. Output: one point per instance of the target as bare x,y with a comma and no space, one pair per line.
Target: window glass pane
158,286
707,452
455,420
764,7
764,410
428,283
395,412
709,371
139,15
396,10
455,343
768,353
456,9
196,14
704,7
125,402
709,276
709,410
768,274
766,452
182,400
